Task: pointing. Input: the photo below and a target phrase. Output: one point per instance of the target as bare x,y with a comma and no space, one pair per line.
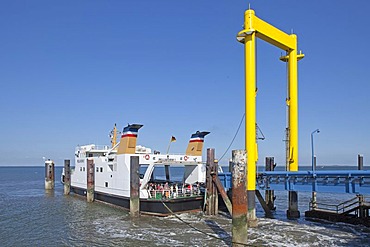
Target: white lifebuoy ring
186,158
147,157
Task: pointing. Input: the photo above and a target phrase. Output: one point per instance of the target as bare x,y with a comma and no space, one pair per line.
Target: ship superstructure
112,174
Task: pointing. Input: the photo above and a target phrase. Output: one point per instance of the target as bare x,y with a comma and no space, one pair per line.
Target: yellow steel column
250,115
250,108
293,107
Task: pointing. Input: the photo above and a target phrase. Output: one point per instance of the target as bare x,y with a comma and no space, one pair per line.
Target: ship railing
92,147
172,194
100,147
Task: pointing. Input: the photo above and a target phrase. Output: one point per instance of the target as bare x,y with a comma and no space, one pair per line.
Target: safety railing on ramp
345,208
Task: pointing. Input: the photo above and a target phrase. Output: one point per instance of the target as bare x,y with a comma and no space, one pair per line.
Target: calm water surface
29,216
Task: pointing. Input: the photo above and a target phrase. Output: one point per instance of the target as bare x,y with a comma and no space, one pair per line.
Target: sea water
30,216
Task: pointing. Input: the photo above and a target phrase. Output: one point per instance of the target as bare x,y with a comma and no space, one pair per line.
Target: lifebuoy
186,158
147,157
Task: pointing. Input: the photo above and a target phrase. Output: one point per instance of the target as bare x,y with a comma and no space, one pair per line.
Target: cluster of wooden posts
238,206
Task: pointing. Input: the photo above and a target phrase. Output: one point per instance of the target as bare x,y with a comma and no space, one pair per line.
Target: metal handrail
338,208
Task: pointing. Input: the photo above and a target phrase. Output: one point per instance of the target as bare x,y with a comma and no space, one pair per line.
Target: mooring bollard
49,175
360,162
67,177
239,198
134,187
90,181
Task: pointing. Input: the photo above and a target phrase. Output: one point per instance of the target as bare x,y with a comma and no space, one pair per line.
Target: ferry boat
157,196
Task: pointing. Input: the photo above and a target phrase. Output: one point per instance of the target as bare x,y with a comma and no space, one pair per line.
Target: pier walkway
339,181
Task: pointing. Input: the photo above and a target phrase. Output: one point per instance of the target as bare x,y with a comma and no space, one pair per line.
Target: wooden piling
215,191
239,198
221,190
49,175
360,162
212,196
134,187
67,177
90,180
270,194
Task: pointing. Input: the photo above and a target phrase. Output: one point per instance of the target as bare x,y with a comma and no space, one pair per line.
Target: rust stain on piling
239,198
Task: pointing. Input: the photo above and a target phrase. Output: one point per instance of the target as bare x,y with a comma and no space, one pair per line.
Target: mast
113,136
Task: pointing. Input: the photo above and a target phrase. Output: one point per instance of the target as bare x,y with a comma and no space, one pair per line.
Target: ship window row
99,169
82,169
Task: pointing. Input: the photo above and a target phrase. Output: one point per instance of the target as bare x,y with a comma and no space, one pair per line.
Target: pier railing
346,207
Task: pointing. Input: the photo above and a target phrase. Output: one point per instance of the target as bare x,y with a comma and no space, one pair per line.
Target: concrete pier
49,175
90,180
67,177
239,199
293,212
134,187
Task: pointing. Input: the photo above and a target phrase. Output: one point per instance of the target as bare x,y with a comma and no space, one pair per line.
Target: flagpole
169,145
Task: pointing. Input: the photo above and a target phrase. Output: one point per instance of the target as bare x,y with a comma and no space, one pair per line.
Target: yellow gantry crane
254,28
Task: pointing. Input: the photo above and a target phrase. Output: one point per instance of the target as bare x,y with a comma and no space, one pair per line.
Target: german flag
173,139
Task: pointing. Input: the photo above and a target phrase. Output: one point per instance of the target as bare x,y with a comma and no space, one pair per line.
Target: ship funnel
195,146
128,139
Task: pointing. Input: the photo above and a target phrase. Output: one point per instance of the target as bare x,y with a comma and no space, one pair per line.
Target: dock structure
49,175
354,211
255,27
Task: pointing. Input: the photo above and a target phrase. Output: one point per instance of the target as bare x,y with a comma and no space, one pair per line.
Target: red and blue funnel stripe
198,136
131,130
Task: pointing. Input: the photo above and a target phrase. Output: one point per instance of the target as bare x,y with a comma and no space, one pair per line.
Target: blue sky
69,70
